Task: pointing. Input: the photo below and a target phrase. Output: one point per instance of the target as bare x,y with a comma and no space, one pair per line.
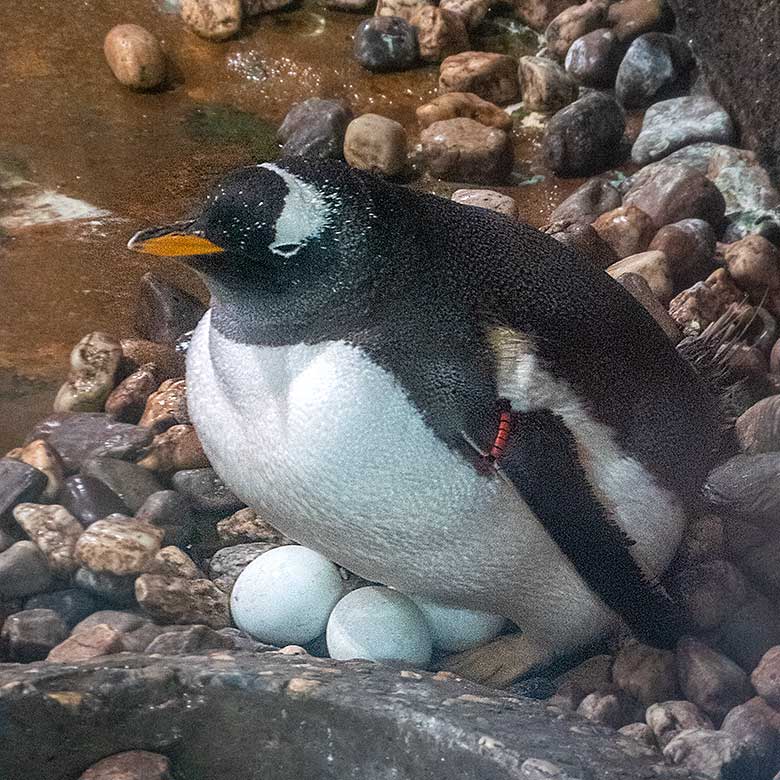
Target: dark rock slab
132,483
205,491
88,499
741,72
384,43
18,483
222,717
30,635
315,128
72,604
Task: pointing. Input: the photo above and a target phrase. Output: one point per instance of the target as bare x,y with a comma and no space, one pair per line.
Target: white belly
326,446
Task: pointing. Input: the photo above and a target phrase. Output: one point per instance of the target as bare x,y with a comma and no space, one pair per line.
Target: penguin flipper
541,461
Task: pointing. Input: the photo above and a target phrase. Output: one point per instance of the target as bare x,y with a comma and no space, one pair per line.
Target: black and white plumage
359,339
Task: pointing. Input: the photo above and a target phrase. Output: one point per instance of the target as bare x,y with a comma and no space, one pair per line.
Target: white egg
285,596
379,624
454,629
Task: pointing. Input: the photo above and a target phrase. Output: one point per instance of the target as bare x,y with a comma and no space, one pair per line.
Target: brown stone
247,526
166,406
704,540
758,428
646,673
175,449
754,265
42,456
128,399
652,267
699,306
630,18
603,708
668,193
132,765
138,352
172,562
710,680
715,754
593,674
215,20
588,202
28,635
627,229
440,33
192,640
640,290
545,85
487,199
465,150
766,677
463,104
93,367
584,239
376,143
641,732
755,725
669,718
83,645
572,23
134,56
118,546
54,531
256,7
537,14
472,12
491,76
406,9
689,246
179,600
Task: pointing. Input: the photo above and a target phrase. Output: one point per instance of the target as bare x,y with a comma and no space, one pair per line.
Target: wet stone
629,18
167,406
205,491
135,56
653,267
594,58
215,20
404,9
169,511
94,363
172,562
164,311
54,531
117,590
670,193
77,437
89,499
588,202
754,265
487,199
41,455
672,124
119,546
386,43
179,600
709,679
175,449
667,719
315,128
472,12
583,238
545,85
640,290
758,428
585,137
463,104
30,635
226,564
717,754
465,150
573,23
194,640
377,144
440,33
695,308
72,604
132,765
132,483
492,77
627,229
168,359
654,66
247,526
84,645
689,246
18,482
24,570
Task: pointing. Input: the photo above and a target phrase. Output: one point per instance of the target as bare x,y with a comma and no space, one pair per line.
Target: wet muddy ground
84,162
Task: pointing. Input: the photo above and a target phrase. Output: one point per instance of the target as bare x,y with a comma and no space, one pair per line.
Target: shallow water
85,162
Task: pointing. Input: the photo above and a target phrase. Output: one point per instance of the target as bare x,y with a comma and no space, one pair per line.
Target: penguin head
283,248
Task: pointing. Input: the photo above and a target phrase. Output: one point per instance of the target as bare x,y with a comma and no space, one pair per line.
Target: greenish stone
227,125
504,35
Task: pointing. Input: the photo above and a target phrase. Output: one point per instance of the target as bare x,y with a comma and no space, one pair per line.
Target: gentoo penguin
443,400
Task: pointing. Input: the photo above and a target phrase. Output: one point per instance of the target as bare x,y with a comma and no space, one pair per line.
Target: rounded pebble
453,629
379,624
284,597
134,56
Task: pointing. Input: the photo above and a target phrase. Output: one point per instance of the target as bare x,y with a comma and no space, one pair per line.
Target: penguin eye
285,250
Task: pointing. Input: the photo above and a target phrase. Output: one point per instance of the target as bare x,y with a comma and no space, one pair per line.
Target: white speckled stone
284,597
379,624
454,630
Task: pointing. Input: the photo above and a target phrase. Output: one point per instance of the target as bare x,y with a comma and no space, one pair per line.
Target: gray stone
30,635
749,631
315,128
72,604
654,66
88,499
78,436
226,564
205,491
593,60
131,765
211,709
716,754
585,137
672,124
24,570
747,485
667,719
18,483
117,590
386,43
132,483
121,621
753,724
164,312
170,511
589,201
194,640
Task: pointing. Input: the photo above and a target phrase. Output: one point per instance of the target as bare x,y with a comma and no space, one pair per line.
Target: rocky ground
116,536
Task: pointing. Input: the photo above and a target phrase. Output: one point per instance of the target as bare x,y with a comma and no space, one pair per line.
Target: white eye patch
306,213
